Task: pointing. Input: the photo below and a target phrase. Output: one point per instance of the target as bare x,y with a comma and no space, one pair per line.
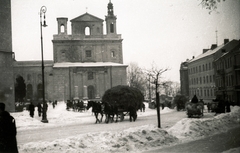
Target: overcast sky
164,32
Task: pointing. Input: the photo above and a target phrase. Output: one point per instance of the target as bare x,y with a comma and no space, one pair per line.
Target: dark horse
110,111
132,113
96,109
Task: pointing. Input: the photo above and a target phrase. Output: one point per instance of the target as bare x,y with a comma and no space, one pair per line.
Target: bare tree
136,77
155,73
171,88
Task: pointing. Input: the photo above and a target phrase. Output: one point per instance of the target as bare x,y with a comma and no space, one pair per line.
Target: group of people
31,109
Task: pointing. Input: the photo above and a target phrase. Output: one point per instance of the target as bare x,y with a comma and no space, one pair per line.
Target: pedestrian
143,107
194,99
31,109
208,107
228,109
53,104
8,132
39,109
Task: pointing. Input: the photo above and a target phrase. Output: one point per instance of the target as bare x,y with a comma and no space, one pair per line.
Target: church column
85,92
97,84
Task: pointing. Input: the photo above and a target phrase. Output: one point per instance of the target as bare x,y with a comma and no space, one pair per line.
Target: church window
112,27
88,53
90,75
98,30
87,31
113,54
63,56
62,28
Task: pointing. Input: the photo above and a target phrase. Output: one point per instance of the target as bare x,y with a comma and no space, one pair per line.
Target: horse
132,113
110,111
96,109
69,104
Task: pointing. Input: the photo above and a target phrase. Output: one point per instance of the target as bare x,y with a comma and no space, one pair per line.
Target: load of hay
124,96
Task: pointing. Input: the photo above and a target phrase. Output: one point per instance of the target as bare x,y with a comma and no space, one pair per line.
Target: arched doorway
91,93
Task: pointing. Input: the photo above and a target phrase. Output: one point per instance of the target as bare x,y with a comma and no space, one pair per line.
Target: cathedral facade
86,63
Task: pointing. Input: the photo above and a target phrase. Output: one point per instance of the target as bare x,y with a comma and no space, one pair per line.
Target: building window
113,54
62,28
112,28
63,56
203,68
88,53
90,75
87,31
199,68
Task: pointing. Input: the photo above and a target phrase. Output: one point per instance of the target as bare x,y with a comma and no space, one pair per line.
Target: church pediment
87,18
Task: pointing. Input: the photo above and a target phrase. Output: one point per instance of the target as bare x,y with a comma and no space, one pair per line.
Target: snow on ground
136,139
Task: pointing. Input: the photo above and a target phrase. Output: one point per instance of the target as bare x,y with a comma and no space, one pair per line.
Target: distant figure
8,132
208,107
31,109
143,107
46,106
39,109
194,99
228,109
53,104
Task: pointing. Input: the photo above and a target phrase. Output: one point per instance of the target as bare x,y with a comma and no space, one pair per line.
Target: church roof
86,17
86,64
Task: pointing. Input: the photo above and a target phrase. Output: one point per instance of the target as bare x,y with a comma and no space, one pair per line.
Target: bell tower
111,20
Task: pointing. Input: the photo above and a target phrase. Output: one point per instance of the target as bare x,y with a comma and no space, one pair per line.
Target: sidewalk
212,144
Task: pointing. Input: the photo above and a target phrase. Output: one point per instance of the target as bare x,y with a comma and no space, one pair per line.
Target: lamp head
44,24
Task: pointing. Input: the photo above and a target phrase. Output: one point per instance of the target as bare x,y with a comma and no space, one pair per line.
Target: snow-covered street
136,139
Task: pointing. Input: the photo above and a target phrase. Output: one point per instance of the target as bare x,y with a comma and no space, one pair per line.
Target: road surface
61,132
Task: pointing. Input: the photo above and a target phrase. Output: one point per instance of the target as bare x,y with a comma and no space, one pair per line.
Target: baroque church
86,63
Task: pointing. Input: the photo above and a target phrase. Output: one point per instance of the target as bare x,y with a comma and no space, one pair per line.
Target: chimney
205,50
213,46
226,41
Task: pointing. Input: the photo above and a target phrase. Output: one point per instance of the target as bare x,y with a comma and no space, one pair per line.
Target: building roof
86,64
207,53
225,47
86,17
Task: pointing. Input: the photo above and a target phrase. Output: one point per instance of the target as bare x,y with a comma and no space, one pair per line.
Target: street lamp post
44,115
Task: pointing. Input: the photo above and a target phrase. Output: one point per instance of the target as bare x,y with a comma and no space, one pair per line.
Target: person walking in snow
39,109
8,132
194,99
31,109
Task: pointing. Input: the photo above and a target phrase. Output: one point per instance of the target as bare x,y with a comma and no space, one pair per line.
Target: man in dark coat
8,132
194,99
31,109
39,109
